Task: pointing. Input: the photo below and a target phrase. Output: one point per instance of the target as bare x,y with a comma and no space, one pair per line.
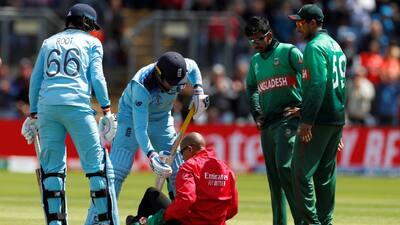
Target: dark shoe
130,220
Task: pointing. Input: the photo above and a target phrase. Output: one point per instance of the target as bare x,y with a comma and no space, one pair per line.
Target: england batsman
145,120
274,91
68,66
321,121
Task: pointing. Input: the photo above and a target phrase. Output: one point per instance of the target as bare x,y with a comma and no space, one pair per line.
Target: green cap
308,12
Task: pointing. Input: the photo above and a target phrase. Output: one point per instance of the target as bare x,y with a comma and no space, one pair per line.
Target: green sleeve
157,218
315,85
296,59
252,93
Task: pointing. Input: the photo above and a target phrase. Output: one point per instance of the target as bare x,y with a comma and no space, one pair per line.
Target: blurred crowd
367,30
14,102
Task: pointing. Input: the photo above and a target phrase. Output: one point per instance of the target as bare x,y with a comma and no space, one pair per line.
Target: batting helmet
85,14
171,66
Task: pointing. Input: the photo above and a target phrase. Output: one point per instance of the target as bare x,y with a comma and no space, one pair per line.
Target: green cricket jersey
324,81
274,81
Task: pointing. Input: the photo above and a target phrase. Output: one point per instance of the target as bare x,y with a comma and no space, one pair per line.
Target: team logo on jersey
138,103
276,62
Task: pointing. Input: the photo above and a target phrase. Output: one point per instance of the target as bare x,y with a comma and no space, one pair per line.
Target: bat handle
36,143
160,183
38,172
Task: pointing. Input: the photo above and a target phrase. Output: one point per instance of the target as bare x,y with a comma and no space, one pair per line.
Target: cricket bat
38,171
161,180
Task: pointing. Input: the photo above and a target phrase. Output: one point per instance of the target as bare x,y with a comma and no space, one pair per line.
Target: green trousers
277,142
314,166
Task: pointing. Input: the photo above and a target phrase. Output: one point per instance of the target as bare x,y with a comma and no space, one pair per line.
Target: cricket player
145,120
68,66
273,88
322,118
206,191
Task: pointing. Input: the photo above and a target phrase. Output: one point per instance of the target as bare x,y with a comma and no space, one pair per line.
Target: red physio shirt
205,191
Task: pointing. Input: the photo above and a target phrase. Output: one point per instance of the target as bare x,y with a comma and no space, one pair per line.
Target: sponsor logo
217,180
138,103
276,82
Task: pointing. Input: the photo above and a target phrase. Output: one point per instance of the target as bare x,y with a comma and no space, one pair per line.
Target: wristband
198,90
33,115
198,85
150,153
106,110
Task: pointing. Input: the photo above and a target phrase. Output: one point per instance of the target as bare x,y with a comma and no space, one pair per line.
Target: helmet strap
87,24
158,73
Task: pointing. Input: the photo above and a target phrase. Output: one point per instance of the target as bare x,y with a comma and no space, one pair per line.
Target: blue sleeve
194,74
140,114
36,82
97,76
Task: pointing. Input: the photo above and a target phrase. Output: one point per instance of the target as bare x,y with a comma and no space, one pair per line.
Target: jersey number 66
67,59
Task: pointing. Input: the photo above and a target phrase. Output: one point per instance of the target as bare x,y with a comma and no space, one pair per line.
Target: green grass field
359,201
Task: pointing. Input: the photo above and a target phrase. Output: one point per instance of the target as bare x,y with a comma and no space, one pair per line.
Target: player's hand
29,128
108,125
200,101
304,131
291,112
156,218
259,121
164,155
158,166
143,220
341,145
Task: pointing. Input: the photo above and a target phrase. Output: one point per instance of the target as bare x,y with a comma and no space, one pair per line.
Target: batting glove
158,166
108,125
200,102
29,128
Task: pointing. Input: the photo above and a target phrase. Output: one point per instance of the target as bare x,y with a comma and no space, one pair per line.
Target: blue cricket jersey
68,66
149,106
